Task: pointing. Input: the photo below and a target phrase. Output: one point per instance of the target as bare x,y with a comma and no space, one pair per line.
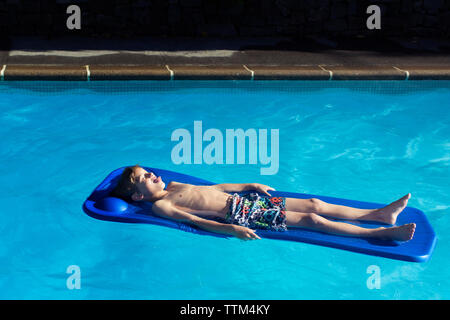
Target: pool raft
101,206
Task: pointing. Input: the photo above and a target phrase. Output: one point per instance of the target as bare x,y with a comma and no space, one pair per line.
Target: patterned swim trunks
255,211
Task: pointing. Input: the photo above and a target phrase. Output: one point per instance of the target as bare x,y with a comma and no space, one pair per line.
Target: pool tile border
112,72
424,73
289,73
366,73
222,72
47,72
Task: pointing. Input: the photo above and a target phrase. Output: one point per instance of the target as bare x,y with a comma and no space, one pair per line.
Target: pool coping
12,72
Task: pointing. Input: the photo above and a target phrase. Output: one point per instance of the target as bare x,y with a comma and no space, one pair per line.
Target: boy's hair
126,186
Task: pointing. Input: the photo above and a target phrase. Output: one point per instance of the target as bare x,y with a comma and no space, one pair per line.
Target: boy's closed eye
147,175
142,177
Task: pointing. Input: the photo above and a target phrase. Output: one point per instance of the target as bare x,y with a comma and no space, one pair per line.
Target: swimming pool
366,140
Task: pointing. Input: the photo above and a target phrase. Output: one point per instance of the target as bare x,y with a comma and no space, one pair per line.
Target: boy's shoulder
162,203
175,183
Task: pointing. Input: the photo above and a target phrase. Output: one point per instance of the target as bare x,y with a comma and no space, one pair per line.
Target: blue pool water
369,140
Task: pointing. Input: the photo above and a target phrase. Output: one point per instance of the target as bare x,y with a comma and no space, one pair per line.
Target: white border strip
405,71
171,72
329,71
2,73
88,73
251,71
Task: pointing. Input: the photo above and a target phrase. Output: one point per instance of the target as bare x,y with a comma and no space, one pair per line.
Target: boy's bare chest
198,198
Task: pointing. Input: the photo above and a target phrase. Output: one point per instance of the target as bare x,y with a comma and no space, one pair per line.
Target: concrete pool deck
223,59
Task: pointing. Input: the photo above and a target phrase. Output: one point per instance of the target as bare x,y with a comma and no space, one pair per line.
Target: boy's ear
137,196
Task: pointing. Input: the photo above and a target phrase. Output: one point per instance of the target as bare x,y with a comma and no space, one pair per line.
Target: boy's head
137,184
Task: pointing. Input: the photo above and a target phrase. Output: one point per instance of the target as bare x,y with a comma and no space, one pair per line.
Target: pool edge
221,72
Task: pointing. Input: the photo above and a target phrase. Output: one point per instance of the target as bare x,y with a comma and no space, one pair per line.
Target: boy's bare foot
401,233
389,213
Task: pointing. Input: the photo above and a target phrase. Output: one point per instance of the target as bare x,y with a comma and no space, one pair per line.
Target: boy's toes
413,230
410,228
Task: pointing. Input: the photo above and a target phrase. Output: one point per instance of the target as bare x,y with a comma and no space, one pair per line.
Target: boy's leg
387,214
318,223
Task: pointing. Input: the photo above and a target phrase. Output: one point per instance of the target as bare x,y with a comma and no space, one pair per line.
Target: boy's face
147,183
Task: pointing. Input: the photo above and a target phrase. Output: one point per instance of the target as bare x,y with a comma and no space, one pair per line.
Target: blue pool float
100,205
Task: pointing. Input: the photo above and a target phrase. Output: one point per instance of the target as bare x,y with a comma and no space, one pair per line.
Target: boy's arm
167,210
238,187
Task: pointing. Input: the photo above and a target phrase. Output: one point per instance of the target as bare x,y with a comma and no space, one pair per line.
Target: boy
192,204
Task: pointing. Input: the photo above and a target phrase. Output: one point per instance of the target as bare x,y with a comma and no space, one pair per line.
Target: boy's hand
245,233
262,188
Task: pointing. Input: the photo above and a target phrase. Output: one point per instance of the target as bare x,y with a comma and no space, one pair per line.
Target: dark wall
226,18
